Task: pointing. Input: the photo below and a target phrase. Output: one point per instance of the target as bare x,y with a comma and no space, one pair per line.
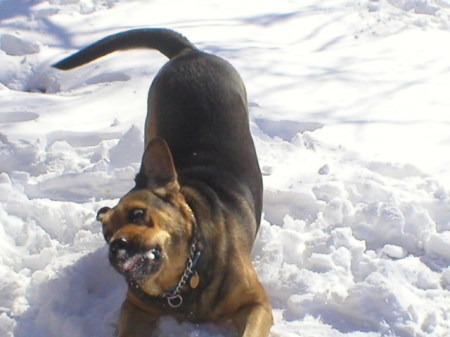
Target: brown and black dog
182,237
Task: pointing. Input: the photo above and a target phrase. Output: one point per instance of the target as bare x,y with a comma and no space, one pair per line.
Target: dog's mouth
137,266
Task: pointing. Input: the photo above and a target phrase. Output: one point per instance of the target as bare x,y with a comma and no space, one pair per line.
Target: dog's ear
157,169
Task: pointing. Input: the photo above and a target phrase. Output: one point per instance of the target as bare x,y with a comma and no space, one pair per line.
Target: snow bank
354,247
349,116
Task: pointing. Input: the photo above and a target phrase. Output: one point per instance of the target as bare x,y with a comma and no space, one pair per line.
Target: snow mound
350,237
12,45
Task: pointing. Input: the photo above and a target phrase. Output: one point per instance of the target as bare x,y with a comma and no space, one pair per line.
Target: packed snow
349,108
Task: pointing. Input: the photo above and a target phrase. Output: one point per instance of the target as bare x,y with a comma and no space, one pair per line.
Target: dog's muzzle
132,260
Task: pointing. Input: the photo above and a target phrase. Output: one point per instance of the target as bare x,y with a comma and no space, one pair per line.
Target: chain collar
173,295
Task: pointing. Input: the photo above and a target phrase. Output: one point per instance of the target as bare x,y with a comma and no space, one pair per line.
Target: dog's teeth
151,255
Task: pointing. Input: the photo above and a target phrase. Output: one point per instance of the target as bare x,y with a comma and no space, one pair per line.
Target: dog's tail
166,41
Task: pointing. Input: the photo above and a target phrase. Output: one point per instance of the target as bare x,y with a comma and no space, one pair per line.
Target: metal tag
195,280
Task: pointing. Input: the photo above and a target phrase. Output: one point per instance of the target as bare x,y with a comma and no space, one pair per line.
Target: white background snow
350,111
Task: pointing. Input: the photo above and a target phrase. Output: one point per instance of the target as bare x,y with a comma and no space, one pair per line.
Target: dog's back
206,126
198,104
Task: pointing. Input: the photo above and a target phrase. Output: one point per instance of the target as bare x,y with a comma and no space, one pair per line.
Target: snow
349,111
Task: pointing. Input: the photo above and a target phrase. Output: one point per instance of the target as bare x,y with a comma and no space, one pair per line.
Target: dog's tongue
132,262
137,261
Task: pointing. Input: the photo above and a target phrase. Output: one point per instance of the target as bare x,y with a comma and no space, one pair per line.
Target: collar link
173,294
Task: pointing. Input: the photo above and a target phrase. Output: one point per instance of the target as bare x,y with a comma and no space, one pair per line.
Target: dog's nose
118,244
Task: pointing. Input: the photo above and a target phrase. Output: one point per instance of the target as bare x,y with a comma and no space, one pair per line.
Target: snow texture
349,110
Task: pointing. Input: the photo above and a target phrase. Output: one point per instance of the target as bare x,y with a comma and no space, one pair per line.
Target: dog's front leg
135,322
254,320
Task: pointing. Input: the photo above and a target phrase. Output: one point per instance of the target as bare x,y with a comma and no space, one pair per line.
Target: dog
182,237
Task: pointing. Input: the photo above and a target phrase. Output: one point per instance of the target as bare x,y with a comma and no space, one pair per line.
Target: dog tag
195,280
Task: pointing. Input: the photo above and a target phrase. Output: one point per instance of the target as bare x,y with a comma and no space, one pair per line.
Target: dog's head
149,230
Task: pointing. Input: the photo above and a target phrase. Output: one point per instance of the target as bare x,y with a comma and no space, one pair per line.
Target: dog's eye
136,214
